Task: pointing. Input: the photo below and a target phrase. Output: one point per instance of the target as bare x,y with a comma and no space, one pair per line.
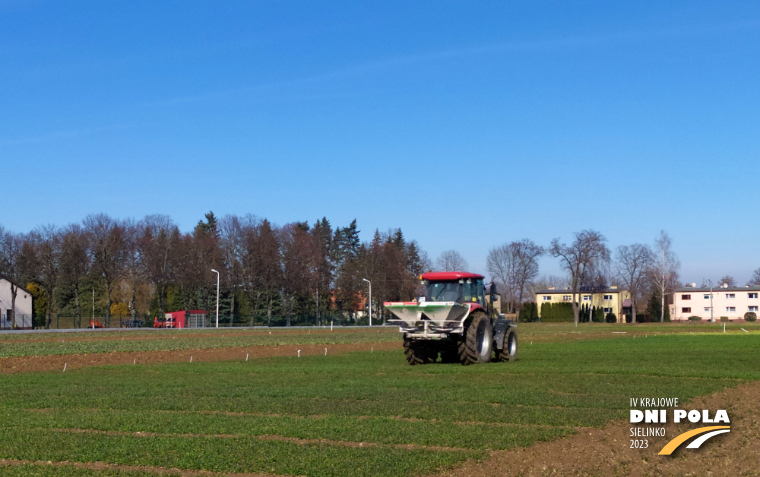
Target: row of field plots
359,413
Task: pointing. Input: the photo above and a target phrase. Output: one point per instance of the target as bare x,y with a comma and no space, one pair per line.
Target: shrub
528,312
750,316
724,319
611,318
695,318
557,312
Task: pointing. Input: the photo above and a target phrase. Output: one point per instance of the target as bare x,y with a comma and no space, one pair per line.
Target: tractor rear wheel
478,340
509,352
419,352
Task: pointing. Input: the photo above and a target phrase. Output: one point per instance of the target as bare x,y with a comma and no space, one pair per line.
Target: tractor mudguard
500,327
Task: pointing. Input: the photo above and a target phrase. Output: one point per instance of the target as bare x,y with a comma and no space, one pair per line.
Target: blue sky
467,124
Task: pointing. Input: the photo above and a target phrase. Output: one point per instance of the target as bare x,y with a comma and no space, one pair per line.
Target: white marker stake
745,330
134,361
299,353
64,367
331,323
191,358
246,357
325,351
724,327
372,349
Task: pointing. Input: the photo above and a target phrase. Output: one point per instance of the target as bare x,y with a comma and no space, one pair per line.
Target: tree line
298,271
142,269
645,271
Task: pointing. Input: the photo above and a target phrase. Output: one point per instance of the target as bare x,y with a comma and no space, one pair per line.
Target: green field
176,340
308,416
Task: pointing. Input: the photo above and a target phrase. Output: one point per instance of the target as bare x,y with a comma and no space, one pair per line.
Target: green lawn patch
212,416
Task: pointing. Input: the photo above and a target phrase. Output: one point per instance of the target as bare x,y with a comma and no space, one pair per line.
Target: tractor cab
460,287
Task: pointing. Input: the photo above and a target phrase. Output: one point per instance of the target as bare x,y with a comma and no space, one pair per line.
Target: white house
731,302
23,315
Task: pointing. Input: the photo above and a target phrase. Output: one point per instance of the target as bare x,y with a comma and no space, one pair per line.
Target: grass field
352,414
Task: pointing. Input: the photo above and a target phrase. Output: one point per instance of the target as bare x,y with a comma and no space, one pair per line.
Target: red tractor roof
443,276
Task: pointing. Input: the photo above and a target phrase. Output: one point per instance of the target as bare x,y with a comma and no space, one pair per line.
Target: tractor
454,320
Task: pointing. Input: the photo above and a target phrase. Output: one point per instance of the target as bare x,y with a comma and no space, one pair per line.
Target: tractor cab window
473,291
443,291
468,290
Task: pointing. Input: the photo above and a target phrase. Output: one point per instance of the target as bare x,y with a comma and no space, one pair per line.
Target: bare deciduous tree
157,244
514,265
451,261
631,265
548,281
664,267
586,253
107,252
727,280
48,244
74,265
231,242
755,280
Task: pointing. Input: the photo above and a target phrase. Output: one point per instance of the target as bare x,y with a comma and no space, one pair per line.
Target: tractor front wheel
478,339
509,352
419,352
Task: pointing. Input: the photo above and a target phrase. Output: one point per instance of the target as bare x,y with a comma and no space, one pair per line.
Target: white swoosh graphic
701,440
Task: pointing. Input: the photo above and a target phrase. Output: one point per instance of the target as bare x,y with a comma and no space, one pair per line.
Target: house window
686,310
608,297
685,297
753,295
730,295
752,308
547,298
707,296
586,297
730,308
608,310
566,298
707,308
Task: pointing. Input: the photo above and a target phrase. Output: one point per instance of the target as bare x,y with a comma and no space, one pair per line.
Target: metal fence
200,321
13,323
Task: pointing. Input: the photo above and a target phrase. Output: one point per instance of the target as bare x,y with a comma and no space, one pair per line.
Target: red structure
178,319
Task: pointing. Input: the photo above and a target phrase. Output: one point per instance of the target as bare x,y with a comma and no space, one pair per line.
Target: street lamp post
370,300
217,297
712,317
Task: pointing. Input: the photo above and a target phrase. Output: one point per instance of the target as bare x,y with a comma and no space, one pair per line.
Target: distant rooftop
754,288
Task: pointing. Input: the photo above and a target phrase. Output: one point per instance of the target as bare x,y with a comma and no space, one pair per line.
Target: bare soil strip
18,364
607,452
160,334
131,468
267,437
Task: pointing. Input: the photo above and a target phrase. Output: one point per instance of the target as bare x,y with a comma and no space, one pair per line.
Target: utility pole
93,309
370,300
712,316
217,297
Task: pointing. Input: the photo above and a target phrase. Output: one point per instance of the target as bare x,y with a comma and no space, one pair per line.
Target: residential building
731,302
23,316
611,299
